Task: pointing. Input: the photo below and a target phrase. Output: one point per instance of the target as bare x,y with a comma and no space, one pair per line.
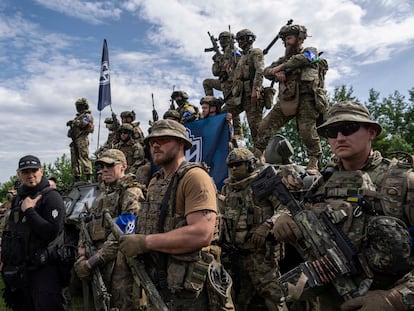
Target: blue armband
311,55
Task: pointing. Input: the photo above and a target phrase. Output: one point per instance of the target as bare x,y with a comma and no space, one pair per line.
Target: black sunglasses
346,129
234,164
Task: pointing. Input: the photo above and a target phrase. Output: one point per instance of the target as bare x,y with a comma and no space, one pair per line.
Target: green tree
61,169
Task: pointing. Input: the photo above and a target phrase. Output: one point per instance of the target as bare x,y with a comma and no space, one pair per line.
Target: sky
50,55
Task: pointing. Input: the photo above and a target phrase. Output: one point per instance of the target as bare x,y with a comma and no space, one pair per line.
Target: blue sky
51,52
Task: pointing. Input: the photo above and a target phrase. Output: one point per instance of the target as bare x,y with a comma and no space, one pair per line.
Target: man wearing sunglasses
176,222
122,196
370,198
29,272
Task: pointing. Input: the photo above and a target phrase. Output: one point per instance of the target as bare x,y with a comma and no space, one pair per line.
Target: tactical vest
368,205
112,201
242,213
158,214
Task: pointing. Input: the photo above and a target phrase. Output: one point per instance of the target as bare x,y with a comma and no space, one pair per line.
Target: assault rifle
215,46
335,261
266,50
154,111
141,276
101,297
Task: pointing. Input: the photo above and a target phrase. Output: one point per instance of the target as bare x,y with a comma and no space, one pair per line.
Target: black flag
104,80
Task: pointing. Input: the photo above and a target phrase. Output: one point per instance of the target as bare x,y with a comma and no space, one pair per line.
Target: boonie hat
169,128
348,111
29,161
112,156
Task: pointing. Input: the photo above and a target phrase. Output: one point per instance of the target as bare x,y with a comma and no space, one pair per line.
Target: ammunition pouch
15,276
13,248
289,97
185,273
96,229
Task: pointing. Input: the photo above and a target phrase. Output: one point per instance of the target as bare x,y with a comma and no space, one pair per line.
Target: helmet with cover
242,155
298,31
126,127
212,101
224,38
172,114
176,94
128,114
82,104
245,37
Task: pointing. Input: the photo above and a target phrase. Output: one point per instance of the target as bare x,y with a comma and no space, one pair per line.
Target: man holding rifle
352,229
122,197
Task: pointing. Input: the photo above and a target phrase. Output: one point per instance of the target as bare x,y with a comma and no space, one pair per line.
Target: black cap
29,161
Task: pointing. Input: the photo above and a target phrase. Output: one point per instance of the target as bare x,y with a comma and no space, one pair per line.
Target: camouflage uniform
128,117
123,196
80,128
253,263
376,228
247,79
302,80
111,140
133,150
187,111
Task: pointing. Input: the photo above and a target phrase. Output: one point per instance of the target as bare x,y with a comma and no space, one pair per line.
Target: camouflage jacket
134,153
249,68
82,125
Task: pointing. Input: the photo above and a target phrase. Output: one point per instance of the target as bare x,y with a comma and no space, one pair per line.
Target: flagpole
104,84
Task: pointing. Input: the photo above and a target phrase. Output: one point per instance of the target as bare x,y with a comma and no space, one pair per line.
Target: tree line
394,112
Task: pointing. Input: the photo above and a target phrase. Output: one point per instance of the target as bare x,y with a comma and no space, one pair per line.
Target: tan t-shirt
196,191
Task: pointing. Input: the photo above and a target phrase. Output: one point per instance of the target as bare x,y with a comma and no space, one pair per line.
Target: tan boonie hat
169,128
348,111
112,156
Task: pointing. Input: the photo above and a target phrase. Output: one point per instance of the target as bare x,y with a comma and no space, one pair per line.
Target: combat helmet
295,30
126,127
82,104
279,151
108,120
224,38
246,34
128,114
212,101
238,155
174,114
183,94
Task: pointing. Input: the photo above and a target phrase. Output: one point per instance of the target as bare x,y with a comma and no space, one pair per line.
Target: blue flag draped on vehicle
104,80
210,138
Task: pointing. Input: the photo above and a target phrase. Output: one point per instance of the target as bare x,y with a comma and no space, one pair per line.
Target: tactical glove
133,244
260,234
81,268
286,230
376,300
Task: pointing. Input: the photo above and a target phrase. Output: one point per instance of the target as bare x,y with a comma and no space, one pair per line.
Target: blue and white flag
210,138
104,81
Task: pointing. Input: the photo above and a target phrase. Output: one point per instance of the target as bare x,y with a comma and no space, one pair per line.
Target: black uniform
30,273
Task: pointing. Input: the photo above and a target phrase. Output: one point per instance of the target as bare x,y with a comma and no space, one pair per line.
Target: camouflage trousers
257,275
254,114
306,120
79,156
209,85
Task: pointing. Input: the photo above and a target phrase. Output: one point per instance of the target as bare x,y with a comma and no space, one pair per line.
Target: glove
286,230
81,268
260,234
376,300
133,244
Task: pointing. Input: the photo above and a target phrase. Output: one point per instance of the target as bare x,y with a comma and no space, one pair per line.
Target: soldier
29,269
247,246
171,115
176,222
187,111
375,220
122,196
299,83
112,137
133,150
128,117
79,129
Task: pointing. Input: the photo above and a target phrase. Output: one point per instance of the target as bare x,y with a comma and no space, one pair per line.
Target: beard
291,50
